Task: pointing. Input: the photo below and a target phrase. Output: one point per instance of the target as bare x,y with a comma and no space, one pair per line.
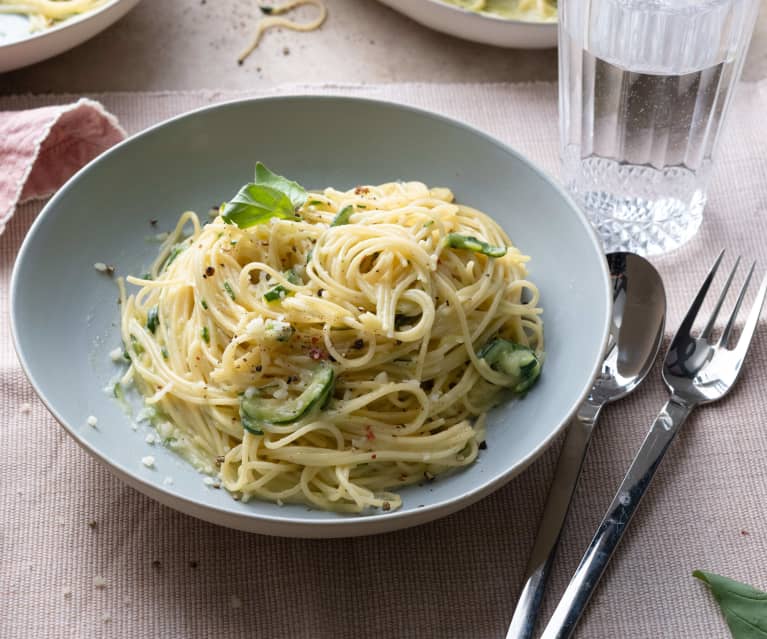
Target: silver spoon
639,313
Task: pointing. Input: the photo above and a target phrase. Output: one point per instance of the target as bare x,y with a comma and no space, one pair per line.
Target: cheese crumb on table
99,581
168,481
148,461
150,439
92,421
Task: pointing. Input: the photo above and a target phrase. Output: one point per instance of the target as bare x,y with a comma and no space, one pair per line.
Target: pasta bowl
110,211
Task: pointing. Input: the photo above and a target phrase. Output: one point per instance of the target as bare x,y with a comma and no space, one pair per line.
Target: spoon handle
550,528
616,520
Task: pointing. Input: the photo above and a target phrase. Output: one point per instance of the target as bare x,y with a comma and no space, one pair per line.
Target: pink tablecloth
67,522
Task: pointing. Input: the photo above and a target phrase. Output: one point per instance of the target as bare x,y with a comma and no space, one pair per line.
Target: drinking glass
644,90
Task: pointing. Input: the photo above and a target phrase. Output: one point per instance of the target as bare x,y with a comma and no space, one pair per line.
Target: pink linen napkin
40,149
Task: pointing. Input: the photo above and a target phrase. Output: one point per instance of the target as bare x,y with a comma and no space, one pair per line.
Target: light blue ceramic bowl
65,316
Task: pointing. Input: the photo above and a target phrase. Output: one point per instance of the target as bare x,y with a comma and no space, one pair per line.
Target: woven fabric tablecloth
169,575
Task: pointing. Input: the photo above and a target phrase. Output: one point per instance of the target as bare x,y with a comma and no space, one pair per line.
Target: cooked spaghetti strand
396,308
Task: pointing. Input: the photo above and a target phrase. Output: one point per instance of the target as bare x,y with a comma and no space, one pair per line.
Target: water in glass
644,90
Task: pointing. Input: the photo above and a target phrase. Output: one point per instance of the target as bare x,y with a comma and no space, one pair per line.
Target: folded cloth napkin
40,149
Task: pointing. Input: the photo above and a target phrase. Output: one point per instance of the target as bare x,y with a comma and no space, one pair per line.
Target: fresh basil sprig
270,195
295,192
256,204
744,608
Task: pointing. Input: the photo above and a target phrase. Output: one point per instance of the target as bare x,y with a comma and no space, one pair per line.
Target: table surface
193,44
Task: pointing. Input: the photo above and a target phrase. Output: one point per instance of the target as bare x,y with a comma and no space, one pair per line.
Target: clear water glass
644,89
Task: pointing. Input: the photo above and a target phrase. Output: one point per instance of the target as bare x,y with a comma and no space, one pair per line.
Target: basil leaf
279,292
153,318
469,243
744,608
256,204
175,251
295,192
343,216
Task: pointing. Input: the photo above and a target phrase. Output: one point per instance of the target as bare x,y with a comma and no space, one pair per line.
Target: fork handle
616,520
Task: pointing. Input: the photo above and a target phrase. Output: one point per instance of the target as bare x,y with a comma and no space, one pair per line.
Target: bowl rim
539,24
300,527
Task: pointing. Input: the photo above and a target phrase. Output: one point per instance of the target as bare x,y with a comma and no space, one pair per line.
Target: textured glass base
638,208
642,226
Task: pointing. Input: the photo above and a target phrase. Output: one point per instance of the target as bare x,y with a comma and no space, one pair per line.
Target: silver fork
697,370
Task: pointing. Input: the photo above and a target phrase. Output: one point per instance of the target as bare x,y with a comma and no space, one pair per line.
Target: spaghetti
274,19
331,351
533,10
44,13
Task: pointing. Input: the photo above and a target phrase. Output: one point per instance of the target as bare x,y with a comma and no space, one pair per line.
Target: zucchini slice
258,410
519,363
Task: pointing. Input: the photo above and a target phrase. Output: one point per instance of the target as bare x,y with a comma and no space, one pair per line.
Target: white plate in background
478,27
20,48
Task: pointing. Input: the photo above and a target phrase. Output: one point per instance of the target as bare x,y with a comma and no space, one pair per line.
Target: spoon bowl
636,332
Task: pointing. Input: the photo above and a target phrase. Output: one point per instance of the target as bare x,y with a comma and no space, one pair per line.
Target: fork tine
711,320
741,348
686,326
727,332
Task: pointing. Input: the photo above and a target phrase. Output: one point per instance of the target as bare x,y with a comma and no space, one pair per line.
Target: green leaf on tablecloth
744,608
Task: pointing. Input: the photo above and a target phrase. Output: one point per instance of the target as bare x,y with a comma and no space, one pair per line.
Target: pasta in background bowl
29,35
195,160
527,24
531,10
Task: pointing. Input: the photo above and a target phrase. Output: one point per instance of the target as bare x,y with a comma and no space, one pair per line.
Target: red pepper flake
315,340
210,271
316,354
744,533
360,190
373,456
386,506
369,434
